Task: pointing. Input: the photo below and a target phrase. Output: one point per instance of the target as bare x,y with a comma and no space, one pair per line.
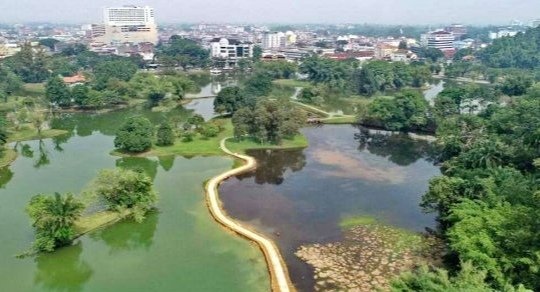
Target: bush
209,130
126,189
165,135
135,135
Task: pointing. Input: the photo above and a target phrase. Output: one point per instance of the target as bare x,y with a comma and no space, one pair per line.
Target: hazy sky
283,11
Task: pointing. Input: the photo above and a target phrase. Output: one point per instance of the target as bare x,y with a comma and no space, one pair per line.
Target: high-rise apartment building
127,24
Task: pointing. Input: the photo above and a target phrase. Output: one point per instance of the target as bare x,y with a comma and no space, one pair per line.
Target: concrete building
458,30
274,40
439,39
126,24
230,50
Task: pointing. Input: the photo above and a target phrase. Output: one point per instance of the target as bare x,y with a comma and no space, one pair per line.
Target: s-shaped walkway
278,272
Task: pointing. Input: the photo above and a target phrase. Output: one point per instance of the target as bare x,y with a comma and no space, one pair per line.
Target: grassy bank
7,156
211,146
97,220
30,133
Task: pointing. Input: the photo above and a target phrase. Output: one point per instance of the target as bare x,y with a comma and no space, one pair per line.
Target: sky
282,11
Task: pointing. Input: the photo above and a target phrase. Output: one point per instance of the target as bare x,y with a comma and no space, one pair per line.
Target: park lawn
240,146
336,120
292,83
211,146
7,156
27,133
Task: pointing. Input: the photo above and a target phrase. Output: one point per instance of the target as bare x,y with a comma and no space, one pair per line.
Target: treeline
487,197
521,51
348,77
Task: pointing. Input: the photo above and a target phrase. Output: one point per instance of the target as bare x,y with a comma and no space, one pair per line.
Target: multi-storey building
230,50
273,40
458,30
126,24
439,39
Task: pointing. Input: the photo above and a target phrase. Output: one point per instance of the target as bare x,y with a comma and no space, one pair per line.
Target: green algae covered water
177,248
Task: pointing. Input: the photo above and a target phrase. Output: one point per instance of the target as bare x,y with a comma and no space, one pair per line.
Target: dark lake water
298,197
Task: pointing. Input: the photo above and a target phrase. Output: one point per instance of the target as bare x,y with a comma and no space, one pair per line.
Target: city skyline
479,12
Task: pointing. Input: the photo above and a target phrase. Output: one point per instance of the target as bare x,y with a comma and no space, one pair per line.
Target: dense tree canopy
268,122
520,51
135,135
183,52
126,189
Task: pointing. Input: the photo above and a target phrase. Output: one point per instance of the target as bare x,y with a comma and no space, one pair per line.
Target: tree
516,84
438,280
209,130
121,69
269,122
38,119
57,92
54,217
184,52
49,43
257,53
126,189
229,100
80,94
259,84
135,135
165,135
196,120
407,110
30,66
3,132
9,82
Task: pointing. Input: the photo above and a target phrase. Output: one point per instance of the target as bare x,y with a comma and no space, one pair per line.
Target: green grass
299,141
7,156
353,221
341,120
201,146
97,220
292,83
28,132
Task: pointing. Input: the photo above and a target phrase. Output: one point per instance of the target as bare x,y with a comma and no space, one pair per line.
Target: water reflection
147,165
5,176
273,164
299,197
62,270
166,162
396,147
43,155
129,235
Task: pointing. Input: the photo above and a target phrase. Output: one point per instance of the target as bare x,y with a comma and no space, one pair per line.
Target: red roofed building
74,80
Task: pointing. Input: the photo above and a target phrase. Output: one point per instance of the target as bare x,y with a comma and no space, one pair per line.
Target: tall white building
127,24
273,40
439,39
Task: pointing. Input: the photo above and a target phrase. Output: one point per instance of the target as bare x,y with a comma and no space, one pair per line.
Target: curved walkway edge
278,271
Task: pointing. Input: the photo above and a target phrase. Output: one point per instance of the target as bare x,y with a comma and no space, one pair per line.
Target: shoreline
279,276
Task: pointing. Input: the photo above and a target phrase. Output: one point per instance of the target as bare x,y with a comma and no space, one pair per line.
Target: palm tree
54,218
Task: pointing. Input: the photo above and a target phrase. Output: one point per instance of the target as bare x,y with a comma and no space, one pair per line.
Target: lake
298,197
179,246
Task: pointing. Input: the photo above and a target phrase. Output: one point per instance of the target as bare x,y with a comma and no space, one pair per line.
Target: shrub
165,135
